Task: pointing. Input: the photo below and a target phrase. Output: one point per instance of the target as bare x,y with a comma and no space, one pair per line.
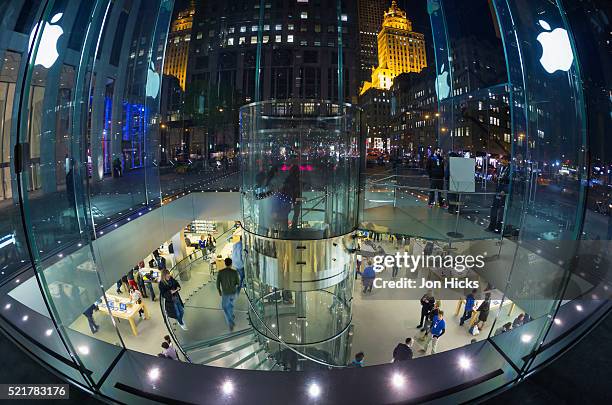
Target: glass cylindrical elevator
300,199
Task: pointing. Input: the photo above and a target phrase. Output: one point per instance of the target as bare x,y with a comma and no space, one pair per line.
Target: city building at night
371,14
177,51
209,202
400,50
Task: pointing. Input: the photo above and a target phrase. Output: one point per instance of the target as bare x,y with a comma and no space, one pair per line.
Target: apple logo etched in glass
152,88
47,48
442,85
556,49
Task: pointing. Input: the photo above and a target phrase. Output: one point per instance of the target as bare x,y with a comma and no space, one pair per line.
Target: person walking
483,311
427,304
90,319
228,282
169,290
367,277
238,262
470,300
435,170
403,351
438,328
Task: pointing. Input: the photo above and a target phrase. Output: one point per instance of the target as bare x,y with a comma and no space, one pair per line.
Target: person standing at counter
470,300
238,262
483,311
227,284
148,281
427,304
169,289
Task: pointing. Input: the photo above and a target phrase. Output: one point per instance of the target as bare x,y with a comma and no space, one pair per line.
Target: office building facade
399,50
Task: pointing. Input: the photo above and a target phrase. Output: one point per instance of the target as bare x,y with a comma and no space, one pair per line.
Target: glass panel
549,149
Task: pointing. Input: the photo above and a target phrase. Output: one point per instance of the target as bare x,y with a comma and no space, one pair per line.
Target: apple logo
47,48
556,49
152,88
433,6
442,86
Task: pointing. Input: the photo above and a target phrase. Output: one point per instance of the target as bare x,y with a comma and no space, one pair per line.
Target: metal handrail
416,188
280,341
162,300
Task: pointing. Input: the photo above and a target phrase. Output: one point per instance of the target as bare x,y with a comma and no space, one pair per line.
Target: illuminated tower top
400,50
396,18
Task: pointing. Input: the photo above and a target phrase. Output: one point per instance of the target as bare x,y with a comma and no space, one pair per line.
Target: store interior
380,319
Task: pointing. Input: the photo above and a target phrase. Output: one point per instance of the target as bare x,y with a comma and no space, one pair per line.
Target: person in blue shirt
470,300
438,327
367,277
238,262
358,362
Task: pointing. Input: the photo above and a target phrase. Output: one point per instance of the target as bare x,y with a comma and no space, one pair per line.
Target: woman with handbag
169,289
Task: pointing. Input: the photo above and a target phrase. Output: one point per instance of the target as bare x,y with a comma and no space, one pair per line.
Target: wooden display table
130,312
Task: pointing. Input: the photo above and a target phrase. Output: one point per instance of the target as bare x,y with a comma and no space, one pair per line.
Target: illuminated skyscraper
177,51
400,50
371,14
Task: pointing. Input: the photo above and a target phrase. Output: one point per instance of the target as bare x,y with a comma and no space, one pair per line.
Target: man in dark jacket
89,315
403,351
228,282
427,304
435,169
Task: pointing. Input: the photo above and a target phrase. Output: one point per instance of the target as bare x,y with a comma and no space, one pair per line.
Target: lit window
254,28
278,27
267,27
266,39
303,43
243,29
317,27
344,17
242,41
278,38
304,15
289,38
231,30
253,40
290,27
199,35
230,41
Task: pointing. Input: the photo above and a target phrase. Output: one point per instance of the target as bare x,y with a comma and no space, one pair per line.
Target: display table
496,301
146,270
130,312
